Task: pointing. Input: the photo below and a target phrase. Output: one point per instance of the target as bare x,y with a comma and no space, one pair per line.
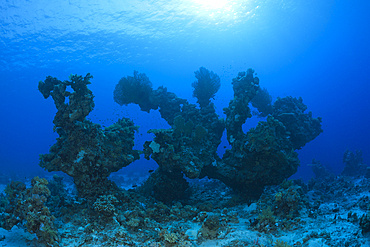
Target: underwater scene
189,123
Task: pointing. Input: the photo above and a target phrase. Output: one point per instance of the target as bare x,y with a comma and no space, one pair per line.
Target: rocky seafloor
326,211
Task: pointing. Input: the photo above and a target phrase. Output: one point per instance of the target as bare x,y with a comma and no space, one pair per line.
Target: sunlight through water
214,4
223,11
112,30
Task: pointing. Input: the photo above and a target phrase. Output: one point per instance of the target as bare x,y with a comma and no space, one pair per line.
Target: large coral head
135,89
206,86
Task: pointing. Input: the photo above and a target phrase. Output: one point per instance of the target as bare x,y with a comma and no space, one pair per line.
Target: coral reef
321,172
166,186
256,157
3,202
27,206
252,161
302,127
365,223
84,150
135,89
354,166
159,212
280,243
245,88
288,202
210,217
206,86
189,147
210,227
105,205
262,102
280,208
89,153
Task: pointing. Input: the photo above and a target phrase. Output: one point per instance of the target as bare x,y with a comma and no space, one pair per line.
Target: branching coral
206,86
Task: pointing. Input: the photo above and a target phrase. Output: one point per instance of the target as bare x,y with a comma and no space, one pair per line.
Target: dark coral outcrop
84,150
206,86
265,155
302,127
135,89
262,102
354,165
186,148
245,89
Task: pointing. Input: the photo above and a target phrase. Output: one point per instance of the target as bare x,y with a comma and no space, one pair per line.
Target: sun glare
214,4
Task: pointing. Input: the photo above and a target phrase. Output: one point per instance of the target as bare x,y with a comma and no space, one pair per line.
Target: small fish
150,171
134,186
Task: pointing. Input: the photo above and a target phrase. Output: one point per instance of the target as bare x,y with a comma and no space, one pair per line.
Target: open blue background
315,49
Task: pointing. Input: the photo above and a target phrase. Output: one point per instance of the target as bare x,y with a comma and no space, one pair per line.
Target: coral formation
135,89
354,166
27,206
206,86
266,146
105,205
189,147
84,150
210,217
280,243
210,227
280,209
288,202
262,102
321,172
264,155
365,223
302,127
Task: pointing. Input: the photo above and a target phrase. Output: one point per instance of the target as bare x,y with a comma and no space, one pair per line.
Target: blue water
315,49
